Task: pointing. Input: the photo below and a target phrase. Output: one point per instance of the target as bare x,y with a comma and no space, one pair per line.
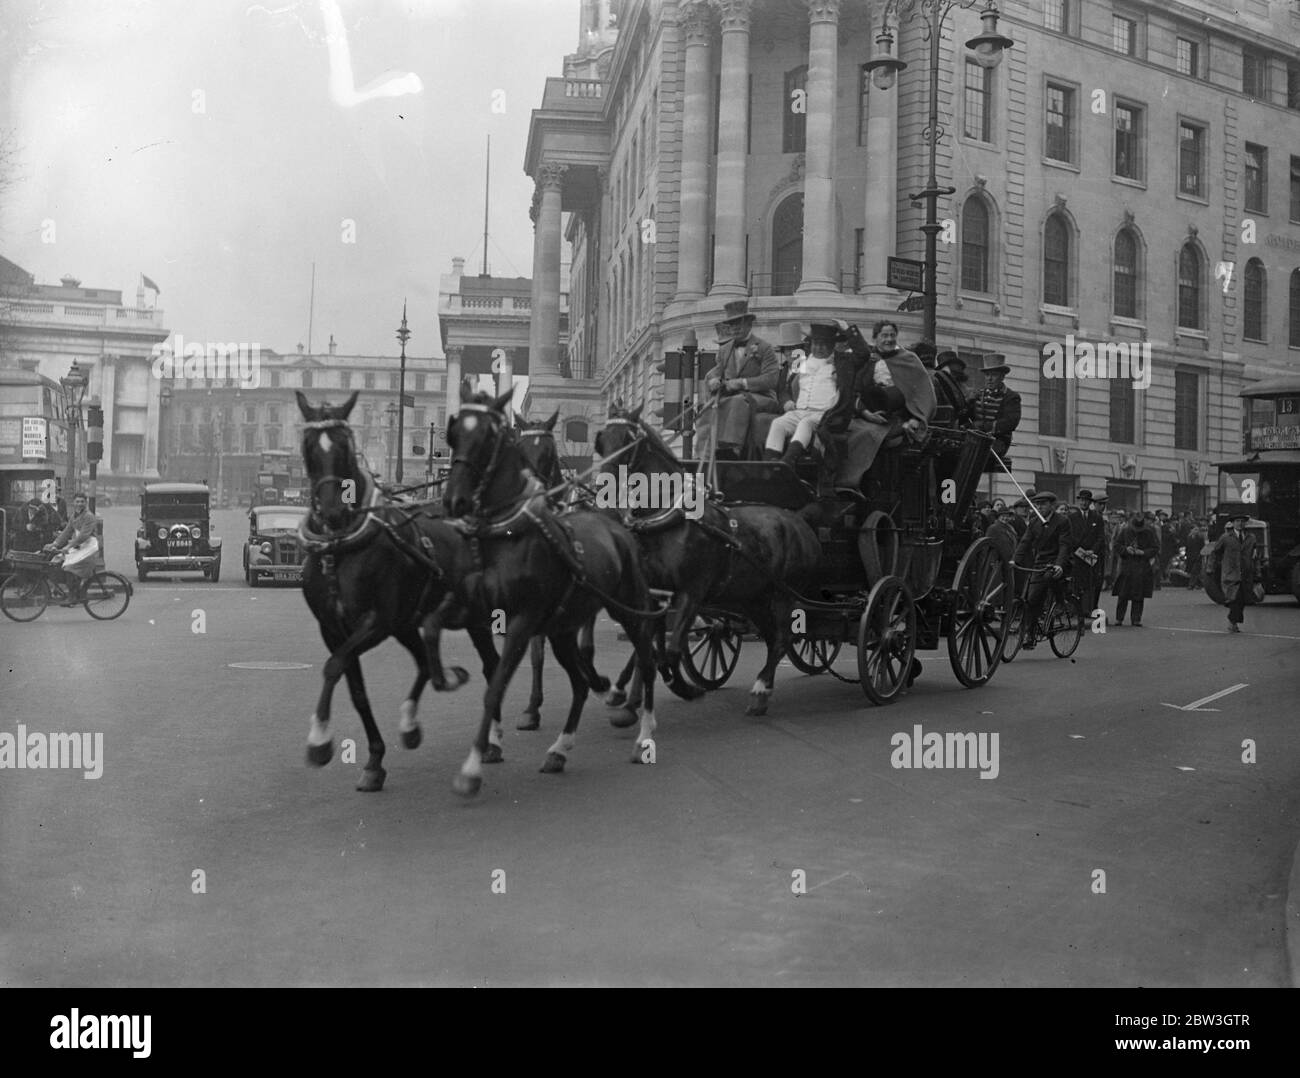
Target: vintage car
175,533
272,551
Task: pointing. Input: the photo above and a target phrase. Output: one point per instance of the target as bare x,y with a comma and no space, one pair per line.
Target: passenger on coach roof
814,391
791,343
744,382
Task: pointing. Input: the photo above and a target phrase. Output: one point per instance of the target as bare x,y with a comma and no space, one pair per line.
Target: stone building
1128,175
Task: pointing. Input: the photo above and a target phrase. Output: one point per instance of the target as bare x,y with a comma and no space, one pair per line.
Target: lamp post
74,384
403,335
690,346
884,68
394,413
164,413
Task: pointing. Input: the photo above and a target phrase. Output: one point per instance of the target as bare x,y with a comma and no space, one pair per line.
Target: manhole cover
269,666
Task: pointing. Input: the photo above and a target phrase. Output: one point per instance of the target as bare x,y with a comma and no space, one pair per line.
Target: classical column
505,376
729,205
454,353
693,237
599,281
820,271
544,326
880,236
108,401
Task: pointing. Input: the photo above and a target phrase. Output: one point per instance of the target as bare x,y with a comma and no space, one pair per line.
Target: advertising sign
36,437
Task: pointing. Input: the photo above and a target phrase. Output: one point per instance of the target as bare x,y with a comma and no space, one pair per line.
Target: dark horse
546,576
542,460
366,578
749,559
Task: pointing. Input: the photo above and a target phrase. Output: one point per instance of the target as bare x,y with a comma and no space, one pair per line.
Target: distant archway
787,245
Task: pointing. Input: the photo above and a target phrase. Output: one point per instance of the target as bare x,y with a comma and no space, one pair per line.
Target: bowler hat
823,332
949,358
994,361
790,335
1239,516
737,311
1083,494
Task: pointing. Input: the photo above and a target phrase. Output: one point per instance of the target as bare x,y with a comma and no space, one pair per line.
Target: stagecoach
903,569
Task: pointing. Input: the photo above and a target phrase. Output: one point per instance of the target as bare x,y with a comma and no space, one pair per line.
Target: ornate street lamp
884,67
403,335
691,348
394,413
74,384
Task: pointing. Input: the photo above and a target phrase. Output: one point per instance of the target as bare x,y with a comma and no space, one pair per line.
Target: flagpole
311,307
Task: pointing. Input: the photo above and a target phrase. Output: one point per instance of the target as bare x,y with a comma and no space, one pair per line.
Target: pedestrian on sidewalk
1137,550
1235,551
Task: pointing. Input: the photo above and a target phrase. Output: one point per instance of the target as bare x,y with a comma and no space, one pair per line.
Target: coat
1134,549
1237,560
756,361
947,390
996,413
1045,543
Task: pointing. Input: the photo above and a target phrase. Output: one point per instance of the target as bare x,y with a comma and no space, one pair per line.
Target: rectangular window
275,379
345,380
1060,122
1188,498
864,104
1187,409
978,114
250,414
1295,188
1189,58
1191,159
306,379
420,382
273,415
1256,178
1254,74
442,417
1051,406
1122,411
392,382
418,419
1056,15
250,439
369,381
272,435
1128,141
794,122
1293,86
1123,35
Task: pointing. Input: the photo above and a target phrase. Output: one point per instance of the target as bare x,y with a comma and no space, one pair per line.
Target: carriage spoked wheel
712,650
1065,627
812,656
24,596
887,641
976,639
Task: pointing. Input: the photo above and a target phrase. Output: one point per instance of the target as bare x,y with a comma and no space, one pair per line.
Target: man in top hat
744,382
813,391
925,352
949,377
1045,545
996,410
1235,554
792,347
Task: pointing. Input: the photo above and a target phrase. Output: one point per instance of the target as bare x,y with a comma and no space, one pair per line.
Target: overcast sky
227,207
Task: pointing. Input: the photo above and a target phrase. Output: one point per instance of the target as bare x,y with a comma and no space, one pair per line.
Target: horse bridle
542,432
502,434
337,425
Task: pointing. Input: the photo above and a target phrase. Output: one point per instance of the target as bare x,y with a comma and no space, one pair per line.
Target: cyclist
80,529
1045,545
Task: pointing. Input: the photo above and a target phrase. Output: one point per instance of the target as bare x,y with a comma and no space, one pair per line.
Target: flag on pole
149,284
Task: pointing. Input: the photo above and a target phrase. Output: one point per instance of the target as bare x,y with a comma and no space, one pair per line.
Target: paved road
680,873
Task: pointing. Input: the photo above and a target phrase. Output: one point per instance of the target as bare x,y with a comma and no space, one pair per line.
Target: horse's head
537,444
479,437
621,429
338,481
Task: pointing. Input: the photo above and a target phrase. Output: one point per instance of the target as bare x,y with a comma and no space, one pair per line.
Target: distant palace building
1129,174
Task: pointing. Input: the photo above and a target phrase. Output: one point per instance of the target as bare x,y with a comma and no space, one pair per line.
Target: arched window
1126,274
1189,287
1294,337
975,245
1255,306
787,246
1056,261
794,125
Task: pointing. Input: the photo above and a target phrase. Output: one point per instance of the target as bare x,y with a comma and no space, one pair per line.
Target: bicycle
1061,620
33,584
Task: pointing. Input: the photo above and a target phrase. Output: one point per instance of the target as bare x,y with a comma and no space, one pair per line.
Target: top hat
949,358
994,361
823,332
737,311
790,335
1044,496
1083,494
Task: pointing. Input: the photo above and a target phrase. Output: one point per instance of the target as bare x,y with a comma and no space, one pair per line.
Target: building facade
1128,177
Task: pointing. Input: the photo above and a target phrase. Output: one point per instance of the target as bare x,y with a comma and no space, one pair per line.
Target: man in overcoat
744,381
1235,553
1090,553
1136,550
1045,545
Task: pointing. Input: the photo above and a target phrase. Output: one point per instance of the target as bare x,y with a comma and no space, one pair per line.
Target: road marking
1195,705
269,666
839,877
1224,632
1185,769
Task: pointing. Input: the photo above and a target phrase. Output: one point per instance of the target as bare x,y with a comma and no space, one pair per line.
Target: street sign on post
912,303
905,274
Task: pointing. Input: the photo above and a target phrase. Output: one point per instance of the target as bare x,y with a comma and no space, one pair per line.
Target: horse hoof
493,755
757,707
461,675
616,698
623,718
320,755
554,764
372,781
529,720
411,738
467,785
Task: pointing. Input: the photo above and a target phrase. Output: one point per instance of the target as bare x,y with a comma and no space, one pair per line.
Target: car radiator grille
288,552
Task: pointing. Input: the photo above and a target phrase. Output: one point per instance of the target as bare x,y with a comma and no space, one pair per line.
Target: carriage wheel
887,641
812,656
24,596
976,631
878,546
712,650
1065,626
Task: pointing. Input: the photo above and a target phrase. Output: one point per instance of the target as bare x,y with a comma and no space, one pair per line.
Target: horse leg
372,778
406,725
616,697
519,631
685,609
431,630
485,644
776,634
587,656
643,638
320,745
564,645
531,719
625,715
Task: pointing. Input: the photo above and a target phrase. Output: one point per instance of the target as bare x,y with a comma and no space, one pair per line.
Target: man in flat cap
792,348
744,382
996,410
814,393
1235,554
1045,545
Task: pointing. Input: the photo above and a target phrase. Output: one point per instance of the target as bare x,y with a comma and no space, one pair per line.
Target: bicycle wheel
107,596
24,596
1065,626
1015,631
